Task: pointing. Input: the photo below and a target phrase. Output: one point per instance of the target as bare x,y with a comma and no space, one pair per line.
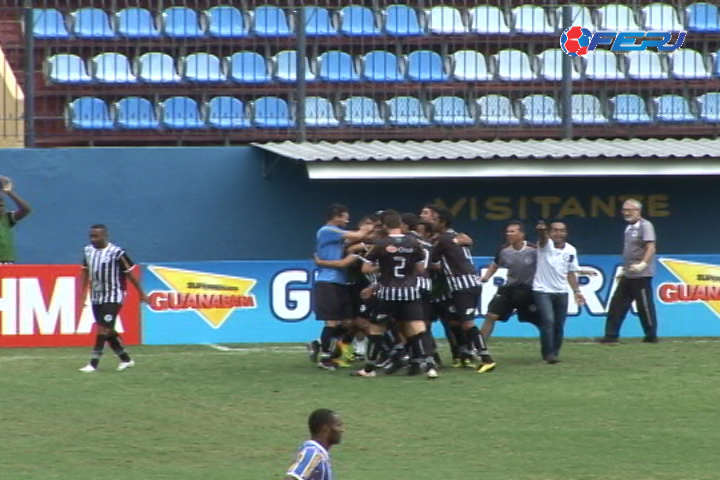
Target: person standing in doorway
635,280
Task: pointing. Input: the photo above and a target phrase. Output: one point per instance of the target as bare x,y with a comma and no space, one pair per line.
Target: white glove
638,267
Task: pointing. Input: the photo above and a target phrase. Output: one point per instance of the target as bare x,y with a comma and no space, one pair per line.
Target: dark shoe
313,349
651,340
607,340
552,359
414,369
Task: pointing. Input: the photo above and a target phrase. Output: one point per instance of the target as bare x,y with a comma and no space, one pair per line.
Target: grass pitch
627,412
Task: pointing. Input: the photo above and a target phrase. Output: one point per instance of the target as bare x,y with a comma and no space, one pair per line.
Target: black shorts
443,310
514,299
331,302
105,314
359,306
398,311
466,303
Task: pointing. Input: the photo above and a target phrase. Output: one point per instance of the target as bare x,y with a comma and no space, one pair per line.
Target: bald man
635,280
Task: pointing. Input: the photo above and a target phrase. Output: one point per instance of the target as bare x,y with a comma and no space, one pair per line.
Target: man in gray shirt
520,259
635,281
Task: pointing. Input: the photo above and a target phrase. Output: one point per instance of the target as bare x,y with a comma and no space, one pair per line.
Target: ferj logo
578,41
699,282
212,296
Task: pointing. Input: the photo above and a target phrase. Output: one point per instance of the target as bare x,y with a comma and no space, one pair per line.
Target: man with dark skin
313,460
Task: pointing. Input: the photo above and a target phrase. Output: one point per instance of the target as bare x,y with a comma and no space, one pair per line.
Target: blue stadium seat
645,66
49,23
319,113
703,18
514,66
136,23
226,22
488,20
451,111
203,68
358,21
286,67
136,113
248,67
319,22
661,16
628,108
88,113
532,20
181,113
550,65
587,110
496,110
156,67
581,17
112,67
227,113
616,17
181,22
716,58
470,66
382,66
271,112
540,110
269,21
602,65
403,21
688,64
362,112
337,66
444,20
672,109
426,66
406,111
709,107
66,68
92,23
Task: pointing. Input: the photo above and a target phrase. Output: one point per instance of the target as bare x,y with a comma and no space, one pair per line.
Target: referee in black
106,270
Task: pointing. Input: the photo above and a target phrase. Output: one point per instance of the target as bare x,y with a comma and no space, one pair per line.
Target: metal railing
134,72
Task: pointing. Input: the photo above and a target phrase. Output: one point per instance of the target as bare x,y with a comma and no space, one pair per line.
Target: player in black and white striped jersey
399,259
464,284
106,270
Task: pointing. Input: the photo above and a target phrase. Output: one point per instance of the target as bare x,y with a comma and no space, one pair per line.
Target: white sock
359,346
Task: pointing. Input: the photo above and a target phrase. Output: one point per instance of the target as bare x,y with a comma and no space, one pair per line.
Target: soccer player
399,260
465,288
636,278
557,265
106,270
313,460
519,258
331,296
8,219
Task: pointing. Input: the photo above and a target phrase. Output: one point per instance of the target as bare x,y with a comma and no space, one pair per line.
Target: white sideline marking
287,349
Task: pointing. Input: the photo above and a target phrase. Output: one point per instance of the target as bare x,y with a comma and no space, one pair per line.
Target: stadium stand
211,71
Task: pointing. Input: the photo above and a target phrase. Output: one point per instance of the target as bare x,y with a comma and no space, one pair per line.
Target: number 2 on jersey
399,267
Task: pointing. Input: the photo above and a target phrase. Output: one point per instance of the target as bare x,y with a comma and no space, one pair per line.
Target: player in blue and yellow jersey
313,460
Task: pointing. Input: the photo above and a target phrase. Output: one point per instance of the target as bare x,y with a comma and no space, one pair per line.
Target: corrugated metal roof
497,149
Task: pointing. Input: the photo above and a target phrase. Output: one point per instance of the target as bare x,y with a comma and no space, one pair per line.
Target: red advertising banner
38,308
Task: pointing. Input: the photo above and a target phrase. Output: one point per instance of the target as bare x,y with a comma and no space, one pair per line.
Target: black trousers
629,289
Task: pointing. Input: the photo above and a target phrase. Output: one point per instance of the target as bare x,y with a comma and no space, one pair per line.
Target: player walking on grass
313,460
106,270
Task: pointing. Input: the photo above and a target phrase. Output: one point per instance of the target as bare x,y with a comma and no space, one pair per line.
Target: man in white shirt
557,266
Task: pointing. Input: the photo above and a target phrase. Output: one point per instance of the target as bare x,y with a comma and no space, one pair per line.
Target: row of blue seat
379,66
355,20
227,112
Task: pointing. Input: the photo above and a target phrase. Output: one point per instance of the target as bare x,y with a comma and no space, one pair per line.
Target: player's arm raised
370,265
543,235
463,239
358,235
344,263
23,207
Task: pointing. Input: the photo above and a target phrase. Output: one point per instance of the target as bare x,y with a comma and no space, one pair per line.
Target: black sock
116,344
417,350
477,343
97,350
374,348
452,342
428,344
460,338
327,340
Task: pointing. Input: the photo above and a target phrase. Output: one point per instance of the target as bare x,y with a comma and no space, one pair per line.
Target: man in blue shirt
313,461
331,295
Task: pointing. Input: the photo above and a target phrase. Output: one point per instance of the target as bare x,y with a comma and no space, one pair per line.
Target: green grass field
627,412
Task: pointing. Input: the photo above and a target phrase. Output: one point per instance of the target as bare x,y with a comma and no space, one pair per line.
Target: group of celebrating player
389,281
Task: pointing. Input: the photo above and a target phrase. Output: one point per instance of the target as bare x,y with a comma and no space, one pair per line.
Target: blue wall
212,203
